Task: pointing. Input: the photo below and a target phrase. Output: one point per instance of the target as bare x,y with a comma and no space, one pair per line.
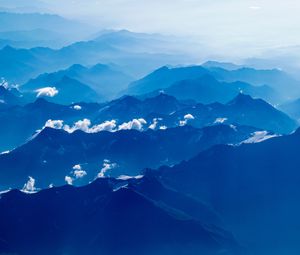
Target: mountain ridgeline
115,142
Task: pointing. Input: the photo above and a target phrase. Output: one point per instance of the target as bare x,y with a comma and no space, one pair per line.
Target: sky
258,22
247,25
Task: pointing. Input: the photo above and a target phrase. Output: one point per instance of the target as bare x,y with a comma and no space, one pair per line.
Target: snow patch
220,120
47,92
259,136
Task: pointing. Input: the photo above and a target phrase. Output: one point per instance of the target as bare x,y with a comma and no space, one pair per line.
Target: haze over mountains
121,141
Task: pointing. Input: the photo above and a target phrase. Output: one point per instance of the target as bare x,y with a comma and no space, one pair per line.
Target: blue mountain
282,82
162,111
20,65
105,80
254,187
109,217
10,97
207,89
292,108
68,91
52,154
197,83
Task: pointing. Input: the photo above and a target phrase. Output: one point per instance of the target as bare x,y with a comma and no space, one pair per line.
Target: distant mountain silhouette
164,77
33,38
197,83
68,91
292,108
285,84
106,80
17,21
20,65
225,65
207,89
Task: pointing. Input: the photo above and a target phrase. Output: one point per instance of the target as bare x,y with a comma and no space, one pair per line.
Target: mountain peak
241,99
128,100
76,67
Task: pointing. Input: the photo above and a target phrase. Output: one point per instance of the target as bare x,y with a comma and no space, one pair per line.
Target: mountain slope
207,89
292,108
68,91
101,218
104,79
285,84
163,78
9,97
52,154
254,187
160,112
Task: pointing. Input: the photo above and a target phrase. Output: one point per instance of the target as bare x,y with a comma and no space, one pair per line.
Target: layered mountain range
115,142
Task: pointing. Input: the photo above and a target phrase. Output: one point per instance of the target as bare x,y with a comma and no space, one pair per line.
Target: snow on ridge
260,136
47,92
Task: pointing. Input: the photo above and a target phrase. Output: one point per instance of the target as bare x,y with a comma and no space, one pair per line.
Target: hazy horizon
221,30
254,24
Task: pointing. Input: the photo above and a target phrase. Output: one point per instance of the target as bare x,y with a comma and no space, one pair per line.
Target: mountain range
253,186
159,112
111,217
105,80
107,154
271,85
35,61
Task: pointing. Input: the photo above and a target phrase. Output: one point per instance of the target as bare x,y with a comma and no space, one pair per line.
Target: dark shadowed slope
254,187
105,217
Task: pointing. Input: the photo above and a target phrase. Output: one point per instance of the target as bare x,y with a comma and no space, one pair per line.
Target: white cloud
105,126
186,118
136,124
189,117
77,107
107,165
47,92
69,180
57,124
82,125
85,125
163,127
29,186
79,172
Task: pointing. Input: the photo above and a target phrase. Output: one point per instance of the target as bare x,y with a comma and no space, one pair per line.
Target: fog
255,24
232,28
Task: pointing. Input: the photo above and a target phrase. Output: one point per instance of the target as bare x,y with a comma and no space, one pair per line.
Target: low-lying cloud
85,125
